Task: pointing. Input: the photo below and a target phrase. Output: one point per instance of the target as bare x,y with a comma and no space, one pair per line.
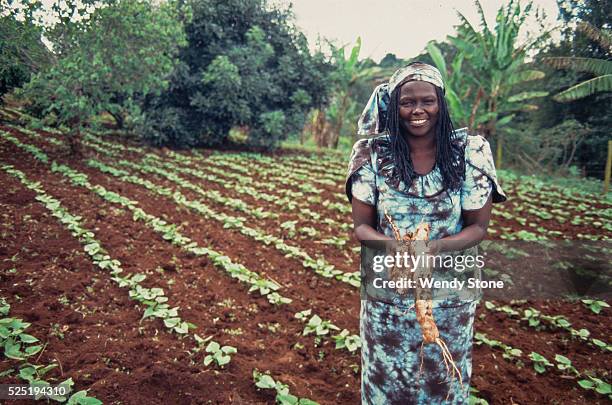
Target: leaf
212,347
229,350
586,384
27,373
306,401
591,65
585,89
171,322
526,95
265,381
7,372
315,321
438,59
81,398
182,328
603,388
287,399
208,359
25,338
32,350
562,359
12,350
223,359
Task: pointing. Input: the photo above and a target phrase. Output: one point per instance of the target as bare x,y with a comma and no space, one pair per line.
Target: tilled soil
94,331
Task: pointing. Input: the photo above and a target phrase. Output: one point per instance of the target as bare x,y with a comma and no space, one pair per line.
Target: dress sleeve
480,175
361,179
364,185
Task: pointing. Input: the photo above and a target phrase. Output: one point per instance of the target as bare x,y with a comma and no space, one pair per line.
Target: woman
418,170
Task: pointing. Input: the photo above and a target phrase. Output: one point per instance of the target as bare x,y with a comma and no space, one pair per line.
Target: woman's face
418,108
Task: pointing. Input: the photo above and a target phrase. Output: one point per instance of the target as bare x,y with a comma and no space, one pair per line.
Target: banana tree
349,71
496,62
599,67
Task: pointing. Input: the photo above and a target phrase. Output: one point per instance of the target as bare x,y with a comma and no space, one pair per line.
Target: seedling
539,362
283,397
565,364
303,315
219,355
318,326
596,385
595,305
344,340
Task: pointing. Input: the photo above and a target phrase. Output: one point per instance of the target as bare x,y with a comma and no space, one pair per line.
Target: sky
402,27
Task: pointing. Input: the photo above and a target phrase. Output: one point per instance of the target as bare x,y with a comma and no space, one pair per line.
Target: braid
451,168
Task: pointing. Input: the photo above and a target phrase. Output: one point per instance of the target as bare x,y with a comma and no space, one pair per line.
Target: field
128,263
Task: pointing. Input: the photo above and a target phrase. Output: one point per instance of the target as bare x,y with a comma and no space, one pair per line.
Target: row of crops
238,275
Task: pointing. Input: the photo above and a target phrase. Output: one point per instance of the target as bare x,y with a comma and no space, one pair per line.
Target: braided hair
451,168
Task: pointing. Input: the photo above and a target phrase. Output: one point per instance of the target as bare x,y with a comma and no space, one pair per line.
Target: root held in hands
423,299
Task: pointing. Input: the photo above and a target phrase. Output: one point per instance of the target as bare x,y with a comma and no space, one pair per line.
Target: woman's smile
418,108
418,123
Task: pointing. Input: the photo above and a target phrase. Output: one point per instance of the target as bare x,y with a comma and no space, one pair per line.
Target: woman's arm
475,224
364,222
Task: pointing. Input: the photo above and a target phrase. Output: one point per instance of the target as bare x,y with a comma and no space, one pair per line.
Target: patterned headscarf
374,116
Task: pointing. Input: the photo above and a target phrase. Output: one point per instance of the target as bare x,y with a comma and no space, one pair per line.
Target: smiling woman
419,108
418,171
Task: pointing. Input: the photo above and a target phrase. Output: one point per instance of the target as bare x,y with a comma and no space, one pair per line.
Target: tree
348,77
391,61
245,66
497,61
593,111
124,51
21,49
602,68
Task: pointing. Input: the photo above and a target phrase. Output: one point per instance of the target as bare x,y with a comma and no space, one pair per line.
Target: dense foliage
21,51
122,52
244,66
562,135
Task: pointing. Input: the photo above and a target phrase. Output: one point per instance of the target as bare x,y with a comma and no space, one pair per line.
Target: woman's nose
418,109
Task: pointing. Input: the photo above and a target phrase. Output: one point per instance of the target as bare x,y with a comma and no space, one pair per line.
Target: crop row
290,200
263,286
154,300
167,231
217,354
319,265
20,346
534,318
541,363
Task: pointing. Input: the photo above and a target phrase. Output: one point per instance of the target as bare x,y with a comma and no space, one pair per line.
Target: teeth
418,121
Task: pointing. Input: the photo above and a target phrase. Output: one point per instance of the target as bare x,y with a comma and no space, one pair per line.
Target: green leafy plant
595,305
345,340
220,355
596,385
539,362
318,326
565,364
283,397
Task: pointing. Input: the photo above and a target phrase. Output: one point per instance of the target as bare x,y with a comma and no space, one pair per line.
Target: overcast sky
402,27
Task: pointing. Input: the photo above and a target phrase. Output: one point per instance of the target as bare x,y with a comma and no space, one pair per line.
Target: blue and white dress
391,338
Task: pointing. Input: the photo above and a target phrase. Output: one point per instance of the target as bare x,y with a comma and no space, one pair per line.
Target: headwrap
373,119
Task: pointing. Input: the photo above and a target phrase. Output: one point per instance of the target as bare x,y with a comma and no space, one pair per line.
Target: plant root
424,304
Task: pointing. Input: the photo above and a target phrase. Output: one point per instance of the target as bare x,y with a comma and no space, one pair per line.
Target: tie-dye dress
390,334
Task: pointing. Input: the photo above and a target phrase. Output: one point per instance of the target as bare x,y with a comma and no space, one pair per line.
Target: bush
245,66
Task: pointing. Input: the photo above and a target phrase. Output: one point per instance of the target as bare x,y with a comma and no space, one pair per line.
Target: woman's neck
422,145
